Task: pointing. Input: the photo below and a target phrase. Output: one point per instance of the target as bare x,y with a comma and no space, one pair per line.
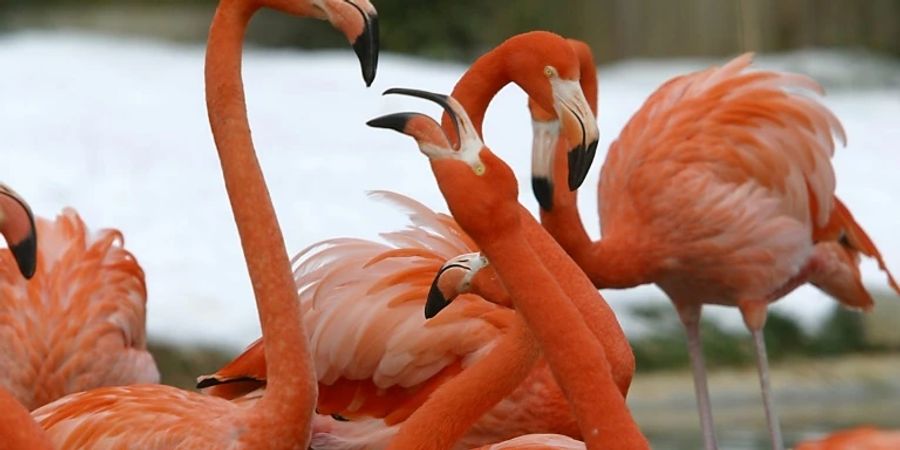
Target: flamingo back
720,171
79,323
142,416
362,302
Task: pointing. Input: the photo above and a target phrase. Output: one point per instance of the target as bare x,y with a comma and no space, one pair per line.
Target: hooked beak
579,127
454,278
17,226
366,45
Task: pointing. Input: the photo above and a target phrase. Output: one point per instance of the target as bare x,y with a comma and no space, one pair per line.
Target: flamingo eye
479,169
550,71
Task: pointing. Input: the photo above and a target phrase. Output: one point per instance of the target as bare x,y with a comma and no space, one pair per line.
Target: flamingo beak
579,127
543,145
366,44
17,226
453,278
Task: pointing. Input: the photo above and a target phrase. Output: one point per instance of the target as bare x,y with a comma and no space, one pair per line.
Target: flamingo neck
453,408
576,357
477,87
17,428
613,263
291,390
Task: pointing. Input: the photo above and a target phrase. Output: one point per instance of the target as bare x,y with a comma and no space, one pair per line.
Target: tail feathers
856,239
247,373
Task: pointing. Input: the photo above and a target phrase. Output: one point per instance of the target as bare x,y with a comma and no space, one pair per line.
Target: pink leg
755,317
690,317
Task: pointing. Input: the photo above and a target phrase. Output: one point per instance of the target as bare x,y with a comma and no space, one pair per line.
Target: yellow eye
478,169
549,71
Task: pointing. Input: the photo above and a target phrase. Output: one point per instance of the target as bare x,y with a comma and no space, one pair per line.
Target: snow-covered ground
117,129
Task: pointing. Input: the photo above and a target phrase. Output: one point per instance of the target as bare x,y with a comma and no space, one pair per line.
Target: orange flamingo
17,429
338,374
477,185
155,416
78,324
720,190
868,438
386,361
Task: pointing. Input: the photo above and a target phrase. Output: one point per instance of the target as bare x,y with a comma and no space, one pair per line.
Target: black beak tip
543,192
435,302
396,122
576,157
25,253
580,160
366,48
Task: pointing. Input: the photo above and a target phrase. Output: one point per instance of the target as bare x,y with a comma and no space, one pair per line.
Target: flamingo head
454,278
545,128
357,19
480,189
548,68
17,226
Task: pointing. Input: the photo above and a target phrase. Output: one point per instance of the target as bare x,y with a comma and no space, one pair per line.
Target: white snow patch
117,129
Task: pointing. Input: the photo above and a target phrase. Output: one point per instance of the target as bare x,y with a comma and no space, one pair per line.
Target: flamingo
338,373
868,438
79,322
378,368
720,190
464,274
156,416
481,192
17,428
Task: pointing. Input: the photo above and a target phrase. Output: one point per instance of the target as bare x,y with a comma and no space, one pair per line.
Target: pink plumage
79,322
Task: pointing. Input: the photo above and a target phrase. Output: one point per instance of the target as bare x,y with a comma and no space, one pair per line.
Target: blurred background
103,111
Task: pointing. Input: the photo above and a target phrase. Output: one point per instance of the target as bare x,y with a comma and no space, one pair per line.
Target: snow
117,129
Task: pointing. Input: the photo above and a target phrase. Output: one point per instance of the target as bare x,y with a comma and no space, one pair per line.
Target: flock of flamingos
479,329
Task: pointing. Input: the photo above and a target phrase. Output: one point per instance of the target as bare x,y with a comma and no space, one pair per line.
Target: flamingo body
376,355
79,322
861,438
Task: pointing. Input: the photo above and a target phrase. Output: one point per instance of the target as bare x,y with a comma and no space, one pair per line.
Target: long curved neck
597,314
477,87
454,407
17,428
575,355
290,394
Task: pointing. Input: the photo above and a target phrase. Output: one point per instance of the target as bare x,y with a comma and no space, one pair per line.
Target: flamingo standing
481,192
720,190
78,324
155,416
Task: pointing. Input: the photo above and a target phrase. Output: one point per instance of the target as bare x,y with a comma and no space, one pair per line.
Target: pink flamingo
155,416
720,190
481,192
79,323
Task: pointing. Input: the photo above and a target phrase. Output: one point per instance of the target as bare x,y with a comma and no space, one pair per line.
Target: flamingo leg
690,318
754,314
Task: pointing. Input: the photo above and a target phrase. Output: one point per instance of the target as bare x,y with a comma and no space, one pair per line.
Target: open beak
366,44
579,127
17,226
